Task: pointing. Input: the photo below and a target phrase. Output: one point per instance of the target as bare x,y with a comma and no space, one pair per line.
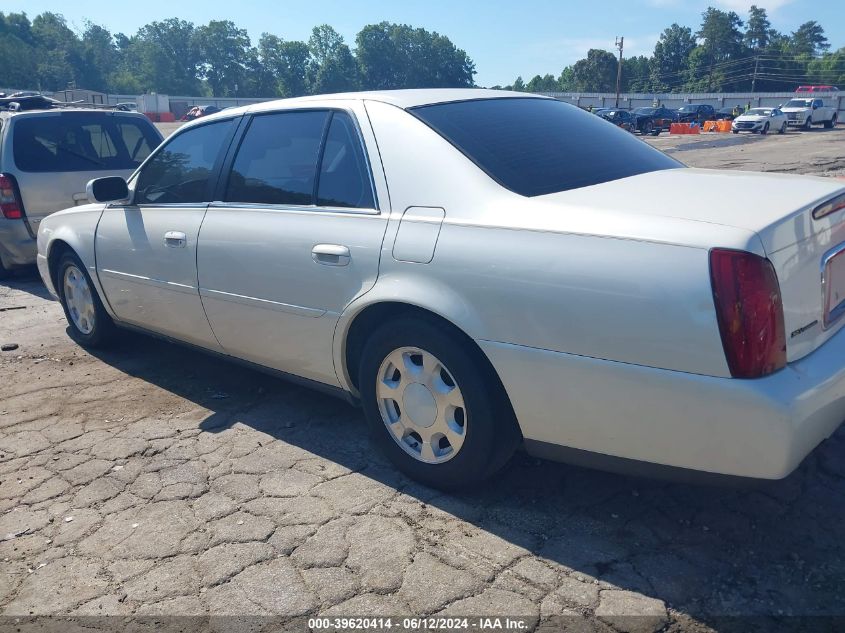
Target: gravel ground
154,480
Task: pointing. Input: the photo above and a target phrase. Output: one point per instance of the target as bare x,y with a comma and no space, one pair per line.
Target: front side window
82,141
277,160
181,171
536,146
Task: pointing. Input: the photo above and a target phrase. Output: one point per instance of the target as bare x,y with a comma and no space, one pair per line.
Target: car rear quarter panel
542,275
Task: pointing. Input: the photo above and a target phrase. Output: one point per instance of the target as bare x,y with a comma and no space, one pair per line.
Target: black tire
5,273
808,124
765,129
492,434
829,125
735,131
657,131
782,129
103,331
647,128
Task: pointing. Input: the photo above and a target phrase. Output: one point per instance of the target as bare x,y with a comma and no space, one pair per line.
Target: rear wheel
434,406
830,124
5,273
647,128
89,323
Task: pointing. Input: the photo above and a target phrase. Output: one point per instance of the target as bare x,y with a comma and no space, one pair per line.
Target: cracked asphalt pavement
154,480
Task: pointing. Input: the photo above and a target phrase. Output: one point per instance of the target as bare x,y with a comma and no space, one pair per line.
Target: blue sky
505,39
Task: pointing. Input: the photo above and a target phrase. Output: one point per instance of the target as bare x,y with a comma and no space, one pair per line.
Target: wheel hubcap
80,304
421,405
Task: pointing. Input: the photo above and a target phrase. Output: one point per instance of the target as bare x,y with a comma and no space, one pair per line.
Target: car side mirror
108,189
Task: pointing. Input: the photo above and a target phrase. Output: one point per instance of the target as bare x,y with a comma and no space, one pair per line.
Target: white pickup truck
805,112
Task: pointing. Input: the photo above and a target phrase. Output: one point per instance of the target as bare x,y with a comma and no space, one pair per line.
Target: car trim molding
261,303
150,281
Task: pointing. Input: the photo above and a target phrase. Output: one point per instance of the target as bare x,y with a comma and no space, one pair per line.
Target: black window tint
81,141
277,160
538,146
344,177
181,171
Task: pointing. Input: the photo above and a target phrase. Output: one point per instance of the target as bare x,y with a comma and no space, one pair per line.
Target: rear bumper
759,428
17,248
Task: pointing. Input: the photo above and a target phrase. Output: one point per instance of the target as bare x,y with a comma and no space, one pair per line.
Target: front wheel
434,405
782,129
808,124
89,323
765,129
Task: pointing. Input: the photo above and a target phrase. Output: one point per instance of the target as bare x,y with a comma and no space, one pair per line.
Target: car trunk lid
778,208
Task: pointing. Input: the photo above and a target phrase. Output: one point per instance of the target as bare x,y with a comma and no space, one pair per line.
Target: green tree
758,30
57,51
287,62
518,85
668,65
163,57
225,56
99,56
332,67
19,67
546,83
721,43
400,56
596,72
809,39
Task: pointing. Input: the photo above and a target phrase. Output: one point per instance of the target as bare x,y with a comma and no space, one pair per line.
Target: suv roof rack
40,102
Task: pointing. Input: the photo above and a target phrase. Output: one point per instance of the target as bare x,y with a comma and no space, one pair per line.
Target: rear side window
277,160
180,172
82,141
540,146
344,176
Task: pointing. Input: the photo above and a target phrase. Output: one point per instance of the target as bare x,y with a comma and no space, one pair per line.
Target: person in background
590,108
747,106
736,111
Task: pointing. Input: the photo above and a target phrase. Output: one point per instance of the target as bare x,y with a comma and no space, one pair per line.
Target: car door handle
175,239
331,255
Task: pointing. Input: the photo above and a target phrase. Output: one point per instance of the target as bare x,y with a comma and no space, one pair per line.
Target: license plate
833,284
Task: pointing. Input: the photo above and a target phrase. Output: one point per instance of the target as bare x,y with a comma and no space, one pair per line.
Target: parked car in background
620,118
696,113
197,112
127,107
760,121
534,277
659,118
728,114
48,155
800,89
807,112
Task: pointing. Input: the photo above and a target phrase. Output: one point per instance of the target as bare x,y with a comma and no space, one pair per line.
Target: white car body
594,305
760,121
808,111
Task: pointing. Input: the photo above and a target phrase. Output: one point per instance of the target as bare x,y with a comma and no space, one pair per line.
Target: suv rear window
539,146
82,141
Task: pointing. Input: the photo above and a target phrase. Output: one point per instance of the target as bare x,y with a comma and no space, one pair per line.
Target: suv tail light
750,312
10,199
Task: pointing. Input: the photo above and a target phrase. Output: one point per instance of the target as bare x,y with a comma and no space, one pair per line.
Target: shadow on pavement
734,559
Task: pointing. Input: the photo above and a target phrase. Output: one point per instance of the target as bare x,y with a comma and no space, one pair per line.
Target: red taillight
749,311
10,202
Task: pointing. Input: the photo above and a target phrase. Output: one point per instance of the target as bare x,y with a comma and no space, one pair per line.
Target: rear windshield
799,103
82,141
538,146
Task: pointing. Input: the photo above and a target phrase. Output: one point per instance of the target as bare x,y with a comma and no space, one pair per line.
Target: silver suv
47,156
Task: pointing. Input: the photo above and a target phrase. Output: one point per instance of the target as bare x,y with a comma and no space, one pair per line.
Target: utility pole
620,44
754,78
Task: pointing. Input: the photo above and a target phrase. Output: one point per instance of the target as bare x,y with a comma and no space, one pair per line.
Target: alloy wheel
421,405
80,303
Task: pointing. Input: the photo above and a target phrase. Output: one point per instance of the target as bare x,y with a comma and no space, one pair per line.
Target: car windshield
536,146
760,111
799,103
82,141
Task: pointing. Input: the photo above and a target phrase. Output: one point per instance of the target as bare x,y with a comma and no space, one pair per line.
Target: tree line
725,54
173,56
218,59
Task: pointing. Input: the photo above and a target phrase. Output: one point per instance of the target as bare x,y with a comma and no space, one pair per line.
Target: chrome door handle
331,255
175,239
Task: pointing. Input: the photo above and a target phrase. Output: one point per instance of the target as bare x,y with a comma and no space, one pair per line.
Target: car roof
17,113
405,99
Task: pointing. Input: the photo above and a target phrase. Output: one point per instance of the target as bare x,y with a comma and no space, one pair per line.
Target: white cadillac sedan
481,270
760,121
